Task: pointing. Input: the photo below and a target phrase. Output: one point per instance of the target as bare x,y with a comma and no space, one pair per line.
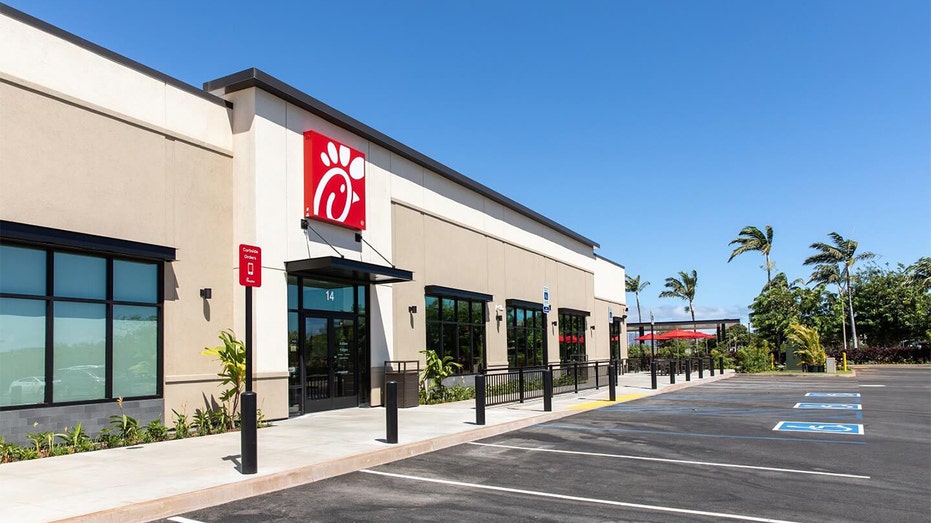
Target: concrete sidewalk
153,481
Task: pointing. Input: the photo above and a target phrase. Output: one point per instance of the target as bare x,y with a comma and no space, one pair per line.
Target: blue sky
657,128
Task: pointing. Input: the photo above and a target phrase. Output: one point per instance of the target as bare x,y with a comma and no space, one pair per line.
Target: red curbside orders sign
250,265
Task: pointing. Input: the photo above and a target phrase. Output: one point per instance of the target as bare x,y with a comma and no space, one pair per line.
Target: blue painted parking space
833,394
821,428
828,406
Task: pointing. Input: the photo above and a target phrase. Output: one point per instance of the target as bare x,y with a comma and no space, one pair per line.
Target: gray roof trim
612,262
110,55
256,78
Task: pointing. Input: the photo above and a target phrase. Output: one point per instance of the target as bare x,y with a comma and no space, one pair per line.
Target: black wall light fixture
412,309
206,293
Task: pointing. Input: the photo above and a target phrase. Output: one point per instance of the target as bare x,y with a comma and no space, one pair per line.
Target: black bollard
612,379
711,366
575,376
688,369
548,390
701,368
722,365
479,399
672,371
653,374
248,436
391,412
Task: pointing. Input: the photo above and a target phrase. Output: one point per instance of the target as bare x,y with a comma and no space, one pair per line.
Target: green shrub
127,427
754,358
108,440
76,439
232,358
182,425
202,422
435,371
154,431
808,349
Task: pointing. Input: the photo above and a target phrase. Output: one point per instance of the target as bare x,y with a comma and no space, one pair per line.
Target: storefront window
572,337
456,328
326,296
135,351
615,335
80,351
22,270
22,351
134,281
78,276
526,336
101,311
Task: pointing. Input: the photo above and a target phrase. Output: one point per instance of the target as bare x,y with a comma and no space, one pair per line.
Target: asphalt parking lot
847,449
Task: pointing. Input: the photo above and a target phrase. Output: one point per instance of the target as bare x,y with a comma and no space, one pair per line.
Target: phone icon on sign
250,268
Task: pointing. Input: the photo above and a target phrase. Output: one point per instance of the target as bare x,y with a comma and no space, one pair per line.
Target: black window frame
443,328
614,339
520,352
572,335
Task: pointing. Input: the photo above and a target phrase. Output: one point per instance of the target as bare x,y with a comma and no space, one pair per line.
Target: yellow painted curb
605,403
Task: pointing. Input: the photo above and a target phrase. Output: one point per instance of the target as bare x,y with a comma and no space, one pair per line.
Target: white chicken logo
337,160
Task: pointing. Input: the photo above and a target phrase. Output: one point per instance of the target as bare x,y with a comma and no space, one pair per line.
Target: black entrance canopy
350,270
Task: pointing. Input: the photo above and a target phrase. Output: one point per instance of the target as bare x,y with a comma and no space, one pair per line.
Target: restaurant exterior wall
91,146
610,291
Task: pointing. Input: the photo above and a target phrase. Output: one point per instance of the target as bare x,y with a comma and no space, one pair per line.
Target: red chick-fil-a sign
334,182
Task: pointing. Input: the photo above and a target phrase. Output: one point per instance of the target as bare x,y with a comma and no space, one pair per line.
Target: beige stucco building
125,196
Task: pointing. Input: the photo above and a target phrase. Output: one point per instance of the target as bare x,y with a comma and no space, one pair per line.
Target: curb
205,498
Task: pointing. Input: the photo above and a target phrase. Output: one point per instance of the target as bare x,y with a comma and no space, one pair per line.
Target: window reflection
22,352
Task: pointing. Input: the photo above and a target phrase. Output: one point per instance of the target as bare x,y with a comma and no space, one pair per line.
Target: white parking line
179,519
679,461
721,515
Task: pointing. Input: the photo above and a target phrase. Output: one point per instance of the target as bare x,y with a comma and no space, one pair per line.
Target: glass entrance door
330,371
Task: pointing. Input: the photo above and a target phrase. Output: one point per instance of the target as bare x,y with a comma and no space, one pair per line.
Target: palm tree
682,288
635,286
827,274
752,239
843,254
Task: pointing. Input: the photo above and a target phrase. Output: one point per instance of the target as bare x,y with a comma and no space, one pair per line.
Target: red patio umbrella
646,337
683,335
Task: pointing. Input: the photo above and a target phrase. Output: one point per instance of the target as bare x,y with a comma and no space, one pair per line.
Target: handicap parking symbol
823,428
829,406
833,395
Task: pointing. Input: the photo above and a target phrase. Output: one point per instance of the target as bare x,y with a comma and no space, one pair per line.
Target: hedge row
865,355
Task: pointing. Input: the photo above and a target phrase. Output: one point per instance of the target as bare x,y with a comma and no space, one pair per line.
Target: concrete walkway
157,480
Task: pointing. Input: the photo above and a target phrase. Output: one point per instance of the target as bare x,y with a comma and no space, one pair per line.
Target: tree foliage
843,254
774,309
807,343
635,286
751,239
683,288
892,306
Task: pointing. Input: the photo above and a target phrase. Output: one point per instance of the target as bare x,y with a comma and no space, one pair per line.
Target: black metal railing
513,385
518,385
508,385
